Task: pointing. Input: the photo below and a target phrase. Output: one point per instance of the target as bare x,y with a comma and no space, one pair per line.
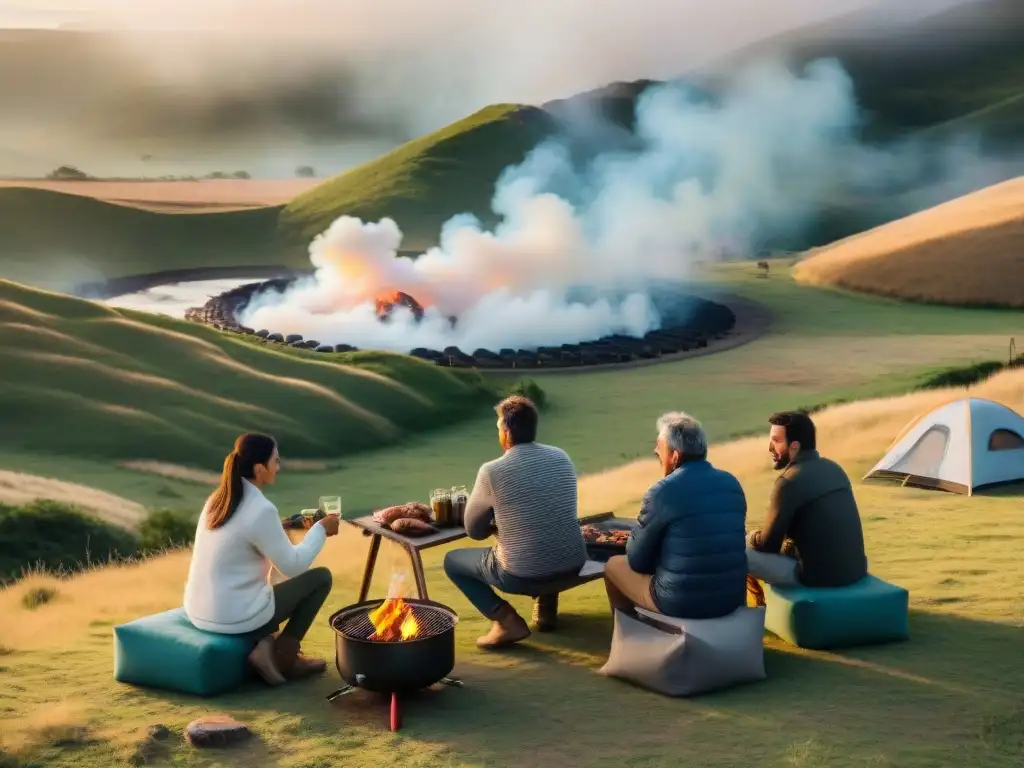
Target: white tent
960,447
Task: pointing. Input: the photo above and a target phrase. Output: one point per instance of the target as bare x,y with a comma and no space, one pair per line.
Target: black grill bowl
394,667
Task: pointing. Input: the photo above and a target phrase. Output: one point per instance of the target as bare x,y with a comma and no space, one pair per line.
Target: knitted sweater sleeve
479,515
268,537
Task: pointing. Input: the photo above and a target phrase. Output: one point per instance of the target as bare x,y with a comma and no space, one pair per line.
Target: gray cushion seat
685,657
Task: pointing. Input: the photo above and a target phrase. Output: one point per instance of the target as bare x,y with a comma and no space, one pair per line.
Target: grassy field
873,346
948,697
969,251
121,412
84,380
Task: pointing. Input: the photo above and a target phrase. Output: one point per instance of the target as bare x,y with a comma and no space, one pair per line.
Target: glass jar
460,497
441,505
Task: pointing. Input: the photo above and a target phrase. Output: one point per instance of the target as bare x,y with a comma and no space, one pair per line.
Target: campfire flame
393,620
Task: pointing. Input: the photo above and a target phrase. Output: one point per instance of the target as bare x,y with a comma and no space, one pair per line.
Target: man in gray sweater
527,497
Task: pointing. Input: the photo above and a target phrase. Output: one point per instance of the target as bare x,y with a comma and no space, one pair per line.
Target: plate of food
607,537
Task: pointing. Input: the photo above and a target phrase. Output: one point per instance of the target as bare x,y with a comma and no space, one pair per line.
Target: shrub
38,596
810,410
166,529
56,537
963,376
531,389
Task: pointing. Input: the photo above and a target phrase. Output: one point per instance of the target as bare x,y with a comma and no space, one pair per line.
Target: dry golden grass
62,723
184,196
969,251
852,434
146,585
20,488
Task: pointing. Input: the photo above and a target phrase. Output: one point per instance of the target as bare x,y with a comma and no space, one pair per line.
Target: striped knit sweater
529,495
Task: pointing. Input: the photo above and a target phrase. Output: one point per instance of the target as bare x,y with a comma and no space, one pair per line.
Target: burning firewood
393,621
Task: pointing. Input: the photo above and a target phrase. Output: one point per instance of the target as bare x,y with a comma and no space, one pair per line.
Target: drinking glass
331,505
441,505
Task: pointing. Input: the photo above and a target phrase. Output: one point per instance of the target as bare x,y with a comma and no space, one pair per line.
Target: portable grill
398,666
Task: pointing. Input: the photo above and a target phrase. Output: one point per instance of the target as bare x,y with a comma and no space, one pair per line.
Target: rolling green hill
50,238
81,379
964,61
424,182
59,240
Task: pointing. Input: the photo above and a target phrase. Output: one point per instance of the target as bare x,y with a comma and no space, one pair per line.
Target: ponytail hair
250,449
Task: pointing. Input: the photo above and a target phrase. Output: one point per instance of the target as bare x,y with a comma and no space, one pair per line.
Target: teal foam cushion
166,651
869,612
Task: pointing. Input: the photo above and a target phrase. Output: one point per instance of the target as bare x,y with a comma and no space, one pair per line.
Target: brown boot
755,591
262,659
545,613
292,663
508,628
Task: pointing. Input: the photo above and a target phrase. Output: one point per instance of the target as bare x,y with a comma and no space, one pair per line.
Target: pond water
173,299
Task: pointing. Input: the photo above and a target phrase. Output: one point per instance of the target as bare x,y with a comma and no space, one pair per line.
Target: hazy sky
402,67
453,56
372,14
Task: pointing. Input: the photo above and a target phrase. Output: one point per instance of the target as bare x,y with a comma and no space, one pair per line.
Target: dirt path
752,321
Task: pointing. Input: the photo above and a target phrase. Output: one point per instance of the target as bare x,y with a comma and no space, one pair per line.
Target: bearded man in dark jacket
812,534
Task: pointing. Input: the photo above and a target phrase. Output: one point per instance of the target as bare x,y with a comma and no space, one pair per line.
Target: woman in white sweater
238,539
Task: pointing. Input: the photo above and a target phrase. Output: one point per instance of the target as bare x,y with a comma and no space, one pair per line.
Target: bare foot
262,660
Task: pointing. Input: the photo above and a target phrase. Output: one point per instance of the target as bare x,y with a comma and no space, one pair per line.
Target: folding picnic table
415,544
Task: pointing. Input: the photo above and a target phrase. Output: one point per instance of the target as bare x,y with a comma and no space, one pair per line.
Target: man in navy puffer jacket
687,556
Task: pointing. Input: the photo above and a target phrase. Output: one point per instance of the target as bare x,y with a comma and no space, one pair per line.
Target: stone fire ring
711,321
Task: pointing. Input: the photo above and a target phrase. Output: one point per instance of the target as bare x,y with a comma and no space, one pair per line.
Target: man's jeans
475,571
773,569
780,570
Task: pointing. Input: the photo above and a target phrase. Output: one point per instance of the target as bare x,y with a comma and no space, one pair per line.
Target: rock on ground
216,731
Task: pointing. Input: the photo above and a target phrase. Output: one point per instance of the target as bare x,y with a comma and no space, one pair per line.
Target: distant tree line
71,173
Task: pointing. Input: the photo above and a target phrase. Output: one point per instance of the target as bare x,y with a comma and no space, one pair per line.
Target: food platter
607,538
409,519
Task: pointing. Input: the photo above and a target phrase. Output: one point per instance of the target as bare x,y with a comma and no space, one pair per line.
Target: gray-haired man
687,556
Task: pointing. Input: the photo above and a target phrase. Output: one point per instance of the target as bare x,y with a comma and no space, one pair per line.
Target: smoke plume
715,176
